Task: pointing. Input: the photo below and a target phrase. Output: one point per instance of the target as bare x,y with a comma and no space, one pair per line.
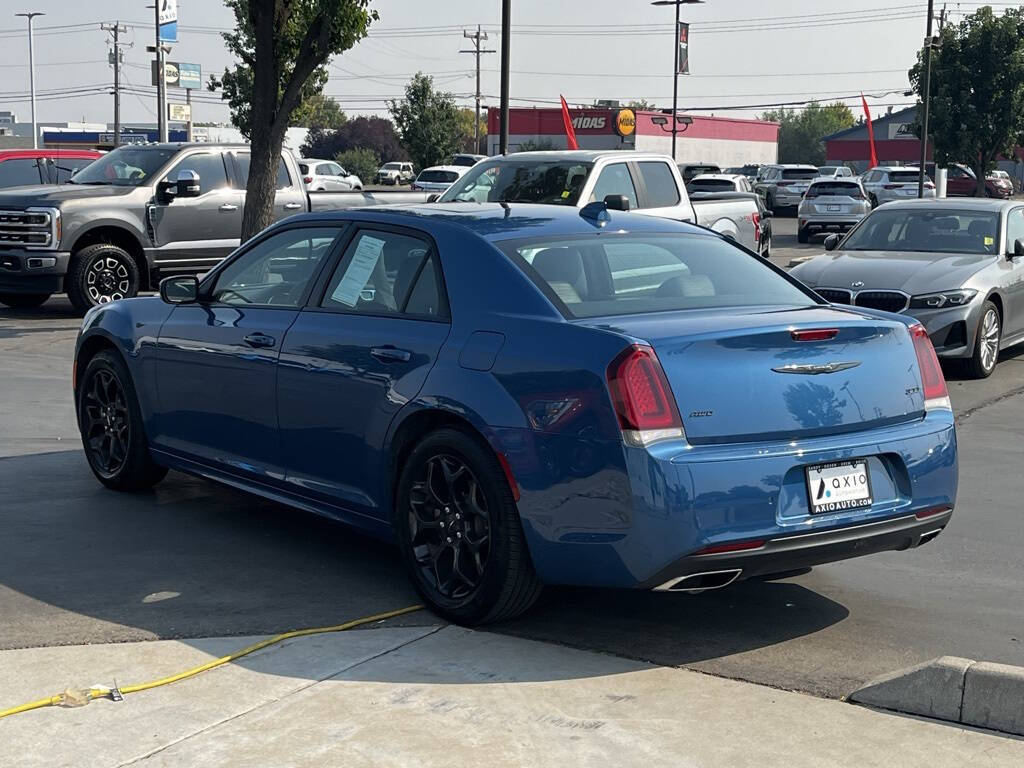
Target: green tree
427,121
641,105
977,90
361,161
467,131
319,111
282,47
801,132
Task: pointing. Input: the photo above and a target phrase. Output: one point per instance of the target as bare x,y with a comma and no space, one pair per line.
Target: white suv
894,182
327,176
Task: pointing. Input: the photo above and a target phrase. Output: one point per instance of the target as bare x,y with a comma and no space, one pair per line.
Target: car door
1012,270
290,197
360,351
615,179
197,231
216,360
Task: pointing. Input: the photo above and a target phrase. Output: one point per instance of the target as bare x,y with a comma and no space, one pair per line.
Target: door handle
292,206
228,207
259,340
391,354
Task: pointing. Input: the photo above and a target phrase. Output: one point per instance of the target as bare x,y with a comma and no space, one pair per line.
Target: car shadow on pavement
82,564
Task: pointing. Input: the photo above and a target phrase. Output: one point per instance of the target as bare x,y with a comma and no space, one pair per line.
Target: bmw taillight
936,396
642,398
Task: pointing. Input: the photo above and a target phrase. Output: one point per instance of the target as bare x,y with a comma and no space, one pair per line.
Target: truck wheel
24,300
100,274
802,236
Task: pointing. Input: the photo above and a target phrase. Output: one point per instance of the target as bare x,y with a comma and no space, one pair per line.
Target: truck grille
887,301
33,228
834,295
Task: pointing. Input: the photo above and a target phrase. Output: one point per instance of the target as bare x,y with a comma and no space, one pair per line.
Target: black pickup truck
140,213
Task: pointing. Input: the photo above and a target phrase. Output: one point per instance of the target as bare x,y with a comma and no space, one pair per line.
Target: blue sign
169,32
190,76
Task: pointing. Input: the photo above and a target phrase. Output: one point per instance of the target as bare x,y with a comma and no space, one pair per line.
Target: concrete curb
964,691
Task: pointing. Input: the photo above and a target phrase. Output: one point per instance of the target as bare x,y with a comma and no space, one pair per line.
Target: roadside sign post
166,17
681,59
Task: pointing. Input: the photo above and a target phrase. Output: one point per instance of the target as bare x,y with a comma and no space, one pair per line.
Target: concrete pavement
445,696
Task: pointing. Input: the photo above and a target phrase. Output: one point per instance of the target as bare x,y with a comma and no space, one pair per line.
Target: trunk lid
741,376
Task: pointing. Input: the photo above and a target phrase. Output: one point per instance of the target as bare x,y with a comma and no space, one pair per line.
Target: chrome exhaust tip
695,583
928,537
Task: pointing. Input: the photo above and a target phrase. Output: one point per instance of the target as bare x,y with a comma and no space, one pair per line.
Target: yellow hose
98,693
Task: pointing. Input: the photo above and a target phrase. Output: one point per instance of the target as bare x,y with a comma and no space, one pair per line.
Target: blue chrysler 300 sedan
522,395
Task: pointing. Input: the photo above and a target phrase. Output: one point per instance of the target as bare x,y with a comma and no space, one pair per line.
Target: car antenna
596,213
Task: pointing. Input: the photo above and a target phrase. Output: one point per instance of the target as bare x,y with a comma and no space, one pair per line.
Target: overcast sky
742,52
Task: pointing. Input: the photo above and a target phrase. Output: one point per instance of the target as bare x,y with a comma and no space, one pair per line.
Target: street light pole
32,73
506,52
675,67
927,99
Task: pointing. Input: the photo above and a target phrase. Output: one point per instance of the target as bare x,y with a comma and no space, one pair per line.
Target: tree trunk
261,190
979,171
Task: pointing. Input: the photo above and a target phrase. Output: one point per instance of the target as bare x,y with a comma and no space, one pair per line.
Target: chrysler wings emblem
810,369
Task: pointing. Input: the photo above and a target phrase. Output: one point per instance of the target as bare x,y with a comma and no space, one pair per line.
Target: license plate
841,485
831,208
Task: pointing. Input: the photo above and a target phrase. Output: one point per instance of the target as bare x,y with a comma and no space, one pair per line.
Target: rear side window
283,179
661,184
799,173
711,185
443,177
66,167
20,171
615,180
629,274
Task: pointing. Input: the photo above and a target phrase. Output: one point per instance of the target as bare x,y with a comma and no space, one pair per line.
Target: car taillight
936,396
893,186
642,398
307,179
756,218
784,183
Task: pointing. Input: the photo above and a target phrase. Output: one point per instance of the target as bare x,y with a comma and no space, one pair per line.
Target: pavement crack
961,418
142,758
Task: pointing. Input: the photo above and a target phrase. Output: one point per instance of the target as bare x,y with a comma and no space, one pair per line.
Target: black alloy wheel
459,531
100,274
451,531
110,421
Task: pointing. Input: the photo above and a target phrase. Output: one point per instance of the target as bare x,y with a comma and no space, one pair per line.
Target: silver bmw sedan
957,266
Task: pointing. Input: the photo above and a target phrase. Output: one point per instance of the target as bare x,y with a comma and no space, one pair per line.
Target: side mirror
831,242
432,198
616,202
188,184
1018,247
180,289
767,213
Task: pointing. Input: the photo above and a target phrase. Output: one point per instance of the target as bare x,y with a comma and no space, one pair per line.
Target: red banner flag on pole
871,132
569,131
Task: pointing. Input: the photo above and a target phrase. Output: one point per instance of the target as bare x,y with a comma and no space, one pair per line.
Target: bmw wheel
986,343
110,422
460,533
100,274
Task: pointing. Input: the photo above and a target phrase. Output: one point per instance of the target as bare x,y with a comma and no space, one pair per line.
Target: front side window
1014,228
243,160
615,180
209,166
529,181
20,171
385,273
653,273
277,271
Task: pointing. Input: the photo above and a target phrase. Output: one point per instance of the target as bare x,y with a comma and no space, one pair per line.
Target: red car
23,167
961,182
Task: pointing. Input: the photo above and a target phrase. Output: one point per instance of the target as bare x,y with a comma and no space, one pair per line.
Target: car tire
982,362
766,253
110,422
459,531
873,200
24,300
802,235
99,274
769,201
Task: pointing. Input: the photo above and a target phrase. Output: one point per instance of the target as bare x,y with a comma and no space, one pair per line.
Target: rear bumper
804,550
824,223
25,271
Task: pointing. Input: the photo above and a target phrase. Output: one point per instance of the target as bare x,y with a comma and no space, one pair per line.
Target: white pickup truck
643,183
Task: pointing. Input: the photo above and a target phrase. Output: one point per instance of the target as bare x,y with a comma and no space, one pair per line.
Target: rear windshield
466,160
612,274
845,189
711,185
556,182
799,173
937,231
445,177
904,176
392,166
689,171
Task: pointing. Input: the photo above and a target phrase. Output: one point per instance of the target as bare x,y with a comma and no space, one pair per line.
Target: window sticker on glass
990,240
357,275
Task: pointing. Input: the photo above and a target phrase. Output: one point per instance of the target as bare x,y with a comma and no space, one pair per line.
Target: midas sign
625,122
585,123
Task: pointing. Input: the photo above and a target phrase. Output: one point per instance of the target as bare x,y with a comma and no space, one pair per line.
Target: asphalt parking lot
79,564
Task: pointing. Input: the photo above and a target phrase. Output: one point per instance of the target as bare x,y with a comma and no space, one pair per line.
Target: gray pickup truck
137,214
643,183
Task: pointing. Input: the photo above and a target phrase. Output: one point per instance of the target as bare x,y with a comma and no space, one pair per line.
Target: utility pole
188,125
927,98
506,53
32,73
116,58
477,37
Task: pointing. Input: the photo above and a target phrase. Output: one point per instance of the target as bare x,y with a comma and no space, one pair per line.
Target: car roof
579,155
958,203
308,160
914,168
31,153
794,166
717,176
835,180
455,168
506,221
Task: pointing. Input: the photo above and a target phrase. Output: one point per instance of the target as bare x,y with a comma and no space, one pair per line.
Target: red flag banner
871,131
570,132
684,48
